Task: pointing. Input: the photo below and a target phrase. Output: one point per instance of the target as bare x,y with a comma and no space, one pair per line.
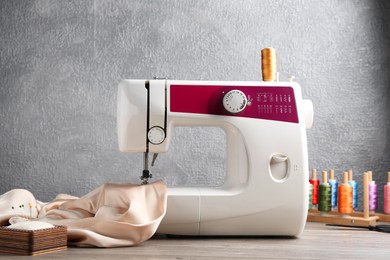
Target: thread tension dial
234,101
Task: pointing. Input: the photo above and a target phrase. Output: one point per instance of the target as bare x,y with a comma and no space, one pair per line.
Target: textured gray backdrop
61,62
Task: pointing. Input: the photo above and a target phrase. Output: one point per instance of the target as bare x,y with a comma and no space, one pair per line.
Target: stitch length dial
234,101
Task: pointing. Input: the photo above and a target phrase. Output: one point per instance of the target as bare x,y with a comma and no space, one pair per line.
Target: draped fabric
112,215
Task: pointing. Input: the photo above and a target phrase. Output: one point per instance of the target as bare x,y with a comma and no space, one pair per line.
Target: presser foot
145,177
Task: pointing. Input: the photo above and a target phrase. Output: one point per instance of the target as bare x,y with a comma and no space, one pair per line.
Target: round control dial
234,101
156,135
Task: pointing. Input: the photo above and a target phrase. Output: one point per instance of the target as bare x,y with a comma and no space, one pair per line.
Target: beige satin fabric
112,215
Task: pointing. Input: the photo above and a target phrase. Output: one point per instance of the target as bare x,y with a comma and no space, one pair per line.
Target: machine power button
234,101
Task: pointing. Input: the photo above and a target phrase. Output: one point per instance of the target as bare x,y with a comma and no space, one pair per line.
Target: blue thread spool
334,189
354,190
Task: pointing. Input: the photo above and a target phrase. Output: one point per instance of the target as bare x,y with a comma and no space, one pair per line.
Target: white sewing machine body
266,187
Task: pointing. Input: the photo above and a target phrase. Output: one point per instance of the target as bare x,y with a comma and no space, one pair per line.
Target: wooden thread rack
355,219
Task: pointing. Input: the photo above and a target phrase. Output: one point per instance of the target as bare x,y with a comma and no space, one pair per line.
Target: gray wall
61,62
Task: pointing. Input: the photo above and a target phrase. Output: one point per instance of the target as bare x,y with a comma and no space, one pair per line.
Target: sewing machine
266,187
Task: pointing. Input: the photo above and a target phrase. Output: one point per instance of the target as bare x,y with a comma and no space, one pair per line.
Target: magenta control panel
262,102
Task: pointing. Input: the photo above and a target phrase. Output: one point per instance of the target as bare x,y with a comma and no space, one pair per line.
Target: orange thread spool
345,200
268,64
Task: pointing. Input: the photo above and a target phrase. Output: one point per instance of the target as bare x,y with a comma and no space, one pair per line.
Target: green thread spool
310,196
324,194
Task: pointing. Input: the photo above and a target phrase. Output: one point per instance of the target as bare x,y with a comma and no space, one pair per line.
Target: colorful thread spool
324,197
310,202
315,182
373,194
386,196
355,190
268,64
345,200
334,189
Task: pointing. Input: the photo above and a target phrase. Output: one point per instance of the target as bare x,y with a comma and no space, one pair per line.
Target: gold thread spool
268,64
345,201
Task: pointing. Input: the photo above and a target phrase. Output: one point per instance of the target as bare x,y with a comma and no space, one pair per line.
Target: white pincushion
31,225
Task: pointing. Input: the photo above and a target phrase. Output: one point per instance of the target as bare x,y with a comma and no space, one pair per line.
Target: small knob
234,101
156,135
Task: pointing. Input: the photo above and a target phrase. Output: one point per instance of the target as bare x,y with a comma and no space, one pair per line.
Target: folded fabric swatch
112,215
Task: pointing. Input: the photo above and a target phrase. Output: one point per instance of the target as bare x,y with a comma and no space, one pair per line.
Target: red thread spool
316,184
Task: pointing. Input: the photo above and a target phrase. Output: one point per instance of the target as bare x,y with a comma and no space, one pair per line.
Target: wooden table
316,242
